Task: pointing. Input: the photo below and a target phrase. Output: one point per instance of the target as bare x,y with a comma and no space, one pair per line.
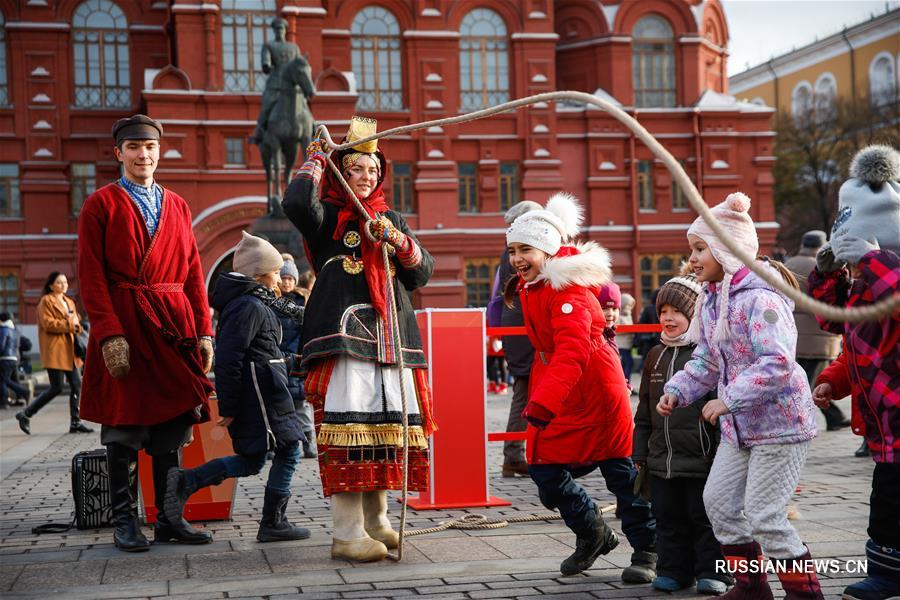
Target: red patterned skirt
362,457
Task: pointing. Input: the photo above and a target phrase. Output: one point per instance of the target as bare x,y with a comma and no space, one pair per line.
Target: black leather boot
121,464
274,526
861,452
590,544
166,529
642,568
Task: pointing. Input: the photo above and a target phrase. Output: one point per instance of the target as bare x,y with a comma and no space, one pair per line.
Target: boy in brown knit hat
678,451
255,403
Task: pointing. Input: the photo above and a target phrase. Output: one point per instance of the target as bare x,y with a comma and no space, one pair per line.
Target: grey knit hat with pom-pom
290,267
518,209
869,202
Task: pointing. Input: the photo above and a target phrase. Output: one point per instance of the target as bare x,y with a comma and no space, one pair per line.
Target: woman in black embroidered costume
349,356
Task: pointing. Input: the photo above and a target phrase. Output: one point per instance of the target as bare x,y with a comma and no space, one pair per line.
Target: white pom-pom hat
549,228
869,202
732,214
734,217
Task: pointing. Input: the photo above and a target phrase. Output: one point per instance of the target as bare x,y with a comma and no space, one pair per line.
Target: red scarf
334,193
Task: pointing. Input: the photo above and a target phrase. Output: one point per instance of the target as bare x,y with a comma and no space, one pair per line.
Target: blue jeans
627,360
559,490
217,470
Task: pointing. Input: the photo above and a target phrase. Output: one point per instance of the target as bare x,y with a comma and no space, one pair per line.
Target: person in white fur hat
255,403
578,408
746,343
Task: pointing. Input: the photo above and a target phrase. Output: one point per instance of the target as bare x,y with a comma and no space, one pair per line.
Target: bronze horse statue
289,126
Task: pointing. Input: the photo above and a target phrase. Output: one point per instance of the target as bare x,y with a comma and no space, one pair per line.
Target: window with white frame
246,27
375,53
802,100
825,95
234,151
100,55
483,60
882,81
653,62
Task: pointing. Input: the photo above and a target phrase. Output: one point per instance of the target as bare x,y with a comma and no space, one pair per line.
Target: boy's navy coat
250,368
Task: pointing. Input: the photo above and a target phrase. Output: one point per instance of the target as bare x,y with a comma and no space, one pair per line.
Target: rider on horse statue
275,55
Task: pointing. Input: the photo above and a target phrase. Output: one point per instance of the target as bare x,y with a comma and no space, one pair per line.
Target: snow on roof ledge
599,93
711,100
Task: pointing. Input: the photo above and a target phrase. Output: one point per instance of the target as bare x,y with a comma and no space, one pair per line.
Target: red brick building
69,68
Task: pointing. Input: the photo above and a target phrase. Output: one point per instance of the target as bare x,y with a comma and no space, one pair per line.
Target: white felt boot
350,540
378,526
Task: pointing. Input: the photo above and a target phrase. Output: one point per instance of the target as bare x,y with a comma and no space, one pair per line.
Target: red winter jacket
576,376
872,347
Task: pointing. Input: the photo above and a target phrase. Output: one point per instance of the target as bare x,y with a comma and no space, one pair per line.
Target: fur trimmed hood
586,264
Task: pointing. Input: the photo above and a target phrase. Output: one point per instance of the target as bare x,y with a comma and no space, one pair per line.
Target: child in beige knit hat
254,400
257,259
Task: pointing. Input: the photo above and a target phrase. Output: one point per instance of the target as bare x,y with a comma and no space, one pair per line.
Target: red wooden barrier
651,328
453,340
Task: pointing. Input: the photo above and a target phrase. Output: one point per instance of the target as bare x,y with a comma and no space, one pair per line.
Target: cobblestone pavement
518,561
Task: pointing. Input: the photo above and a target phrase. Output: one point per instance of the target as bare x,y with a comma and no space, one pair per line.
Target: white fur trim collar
589,268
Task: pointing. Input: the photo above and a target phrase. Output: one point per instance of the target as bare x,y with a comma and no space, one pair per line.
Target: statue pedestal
282,234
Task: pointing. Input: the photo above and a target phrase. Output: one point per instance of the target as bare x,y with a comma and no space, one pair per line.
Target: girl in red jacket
578,411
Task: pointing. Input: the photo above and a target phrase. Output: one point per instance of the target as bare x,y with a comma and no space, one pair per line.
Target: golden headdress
360,128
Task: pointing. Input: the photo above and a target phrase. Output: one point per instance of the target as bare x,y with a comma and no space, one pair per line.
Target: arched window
375,44
826,92
653,62
882,80
245,29
801,100
4,90
100,55
483,60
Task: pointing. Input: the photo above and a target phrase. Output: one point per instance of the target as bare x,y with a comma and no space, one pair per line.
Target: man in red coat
150,346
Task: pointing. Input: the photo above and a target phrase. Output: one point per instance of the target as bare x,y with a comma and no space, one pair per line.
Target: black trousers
56,382
884,505
686,546
558,489
514,451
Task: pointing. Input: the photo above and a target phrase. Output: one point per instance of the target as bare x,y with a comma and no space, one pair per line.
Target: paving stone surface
520,561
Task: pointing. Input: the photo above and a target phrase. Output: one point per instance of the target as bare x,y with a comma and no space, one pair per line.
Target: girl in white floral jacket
746,341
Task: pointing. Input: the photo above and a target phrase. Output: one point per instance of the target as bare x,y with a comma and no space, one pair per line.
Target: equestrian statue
285,121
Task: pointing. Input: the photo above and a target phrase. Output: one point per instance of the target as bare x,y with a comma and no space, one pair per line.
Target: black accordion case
90,489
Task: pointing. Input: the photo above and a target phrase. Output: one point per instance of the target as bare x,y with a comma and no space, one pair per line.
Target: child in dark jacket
291,331
252,388
678,451
860,266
